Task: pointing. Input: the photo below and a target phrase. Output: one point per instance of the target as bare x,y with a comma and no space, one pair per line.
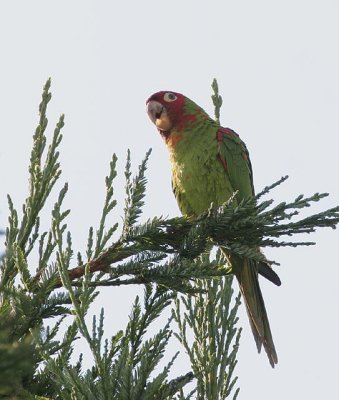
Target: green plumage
199,176
209,164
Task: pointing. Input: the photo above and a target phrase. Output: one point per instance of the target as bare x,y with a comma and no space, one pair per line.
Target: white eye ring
169,97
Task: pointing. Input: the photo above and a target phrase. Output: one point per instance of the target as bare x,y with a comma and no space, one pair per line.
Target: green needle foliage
212,320
216,100
47,288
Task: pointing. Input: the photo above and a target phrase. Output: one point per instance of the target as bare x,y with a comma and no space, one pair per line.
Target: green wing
235,158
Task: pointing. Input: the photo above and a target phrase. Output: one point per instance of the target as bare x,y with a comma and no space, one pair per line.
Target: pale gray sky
277,65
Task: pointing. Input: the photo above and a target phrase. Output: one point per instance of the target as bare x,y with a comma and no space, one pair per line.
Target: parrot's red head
166,110
172,111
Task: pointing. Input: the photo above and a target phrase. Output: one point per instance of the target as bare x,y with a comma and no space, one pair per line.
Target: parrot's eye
170,97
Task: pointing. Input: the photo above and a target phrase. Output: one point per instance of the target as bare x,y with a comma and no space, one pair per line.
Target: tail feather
267,272
247,275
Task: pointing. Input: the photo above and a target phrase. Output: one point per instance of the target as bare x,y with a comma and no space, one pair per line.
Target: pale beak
158,115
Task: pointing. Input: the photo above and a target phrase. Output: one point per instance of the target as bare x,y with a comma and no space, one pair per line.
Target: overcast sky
277,64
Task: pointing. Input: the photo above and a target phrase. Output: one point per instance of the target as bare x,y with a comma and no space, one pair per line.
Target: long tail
247,274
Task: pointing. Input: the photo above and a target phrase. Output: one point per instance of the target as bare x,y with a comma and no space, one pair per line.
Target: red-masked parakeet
209,164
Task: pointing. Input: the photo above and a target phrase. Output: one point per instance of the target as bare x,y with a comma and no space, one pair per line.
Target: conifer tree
172,258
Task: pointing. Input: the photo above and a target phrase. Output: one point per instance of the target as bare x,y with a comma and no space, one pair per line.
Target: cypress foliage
170,257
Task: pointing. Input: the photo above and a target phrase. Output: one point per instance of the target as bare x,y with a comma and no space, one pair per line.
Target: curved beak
158,115
154,110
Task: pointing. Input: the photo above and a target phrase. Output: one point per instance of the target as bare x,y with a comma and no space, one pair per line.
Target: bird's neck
189,130
198,134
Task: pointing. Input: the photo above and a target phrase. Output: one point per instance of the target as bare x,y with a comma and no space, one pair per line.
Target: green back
199,173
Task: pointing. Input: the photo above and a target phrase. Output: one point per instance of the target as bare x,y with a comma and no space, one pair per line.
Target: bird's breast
198,177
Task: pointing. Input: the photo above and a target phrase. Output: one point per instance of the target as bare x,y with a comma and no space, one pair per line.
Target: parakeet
210,163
